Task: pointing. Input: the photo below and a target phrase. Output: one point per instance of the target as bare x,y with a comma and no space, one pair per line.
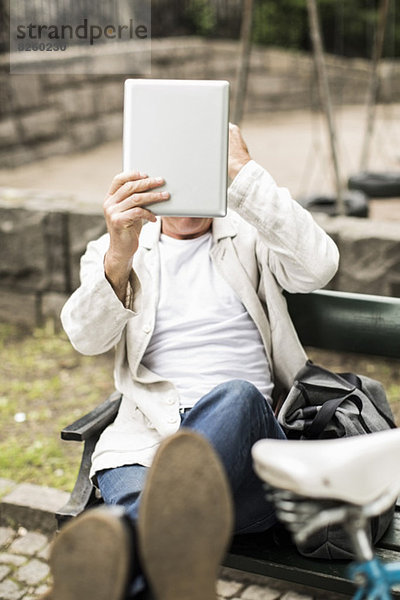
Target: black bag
321,405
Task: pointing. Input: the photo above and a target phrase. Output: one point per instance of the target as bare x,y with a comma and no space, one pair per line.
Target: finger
130,188
122,178
142,199
130,218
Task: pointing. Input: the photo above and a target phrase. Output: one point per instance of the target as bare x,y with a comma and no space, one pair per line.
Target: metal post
373,86
325,98
244,62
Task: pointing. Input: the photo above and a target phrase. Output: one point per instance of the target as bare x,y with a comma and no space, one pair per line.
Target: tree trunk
325,98
373,87
244,62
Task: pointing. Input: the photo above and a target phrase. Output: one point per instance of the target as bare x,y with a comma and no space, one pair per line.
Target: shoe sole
185,519
90,558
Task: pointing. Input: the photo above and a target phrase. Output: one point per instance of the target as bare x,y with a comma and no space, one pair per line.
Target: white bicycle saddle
357,469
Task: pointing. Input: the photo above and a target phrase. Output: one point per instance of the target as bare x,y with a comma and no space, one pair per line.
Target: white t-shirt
203,335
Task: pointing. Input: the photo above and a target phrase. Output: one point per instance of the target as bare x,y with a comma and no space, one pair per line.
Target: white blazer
267,243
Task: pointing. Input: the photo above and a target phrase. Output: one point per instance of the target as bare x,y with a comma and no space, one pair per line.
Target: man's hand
238,152
125,208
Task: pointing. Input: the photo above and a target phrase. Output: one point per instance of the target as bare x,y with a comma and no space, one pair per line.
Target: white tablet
178,130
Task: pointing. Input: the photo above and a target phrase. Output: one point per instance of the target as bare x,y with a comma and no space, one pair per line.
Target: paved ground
24,574
23,568
27,527
291,145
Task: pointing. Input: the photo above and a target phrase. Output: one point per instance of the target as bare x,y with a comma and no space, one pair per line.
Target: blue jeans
233,416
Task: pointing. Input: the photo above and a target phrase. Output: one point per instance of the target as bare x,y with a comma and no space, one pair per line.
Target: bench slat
391,539
259,554
347,322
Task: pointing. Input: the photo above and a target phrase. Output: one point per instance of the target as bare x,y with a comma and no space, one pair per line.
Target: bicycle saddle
358,470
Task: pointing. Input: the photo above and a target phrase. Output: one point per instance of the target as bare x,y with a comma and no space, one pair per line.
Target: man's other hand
238,151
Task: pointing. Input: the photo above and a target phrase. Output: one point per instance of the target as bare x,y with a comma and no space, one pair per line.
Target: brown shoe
90,558
185,519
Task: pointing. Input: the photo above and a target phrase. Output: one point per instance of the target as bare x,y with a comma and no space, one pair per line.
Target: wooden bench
327,320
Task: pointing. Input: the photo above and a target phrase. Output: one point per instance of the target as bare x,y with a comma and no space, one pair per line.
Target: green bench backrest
347,322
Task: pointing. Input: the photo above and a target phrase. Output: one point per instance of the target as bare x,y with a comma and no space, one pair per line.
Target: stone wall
41,242
369,255
47,114
42,239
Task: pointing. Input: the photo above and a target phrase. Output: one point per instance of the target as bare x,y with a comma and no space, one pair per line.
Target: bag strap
352,378
326,413
356,381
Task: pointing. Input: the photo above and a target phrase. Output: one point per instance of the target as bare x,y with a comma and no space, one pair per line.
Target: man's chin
185,227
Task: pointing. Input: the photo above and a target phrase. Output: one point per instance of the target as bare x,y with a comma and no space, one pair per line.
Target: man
203,341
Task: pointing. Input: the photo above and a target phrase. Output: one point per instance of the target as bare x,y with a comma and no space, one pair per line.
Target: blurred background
48,115
313,116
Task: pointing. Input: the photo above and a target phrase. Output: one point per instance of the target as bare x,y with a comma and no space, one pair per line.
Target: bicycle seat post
356,524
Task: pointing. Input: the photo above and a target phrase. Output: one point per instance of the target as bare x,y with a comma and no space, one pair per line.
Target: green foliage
279,23
348,28
201,17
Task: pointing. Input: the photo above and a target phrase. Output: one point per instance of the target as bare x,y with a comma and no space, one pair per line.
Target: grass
45,385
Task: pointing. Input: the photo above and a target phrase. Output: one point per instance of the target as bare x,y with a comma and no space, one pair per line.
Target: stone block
4,571
257,592
110,126
12,559
51,305
196,70
18,307
55,232
6,485
108,97
83,228
6,535
42,124
44,554
9,590
369,255
11,157
57,147
6,106
84,134
55,80
32,506
23,248
27,91
76,103
262,84
29,544
33,573
8,132
33,250
228,589
41,591
221,67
